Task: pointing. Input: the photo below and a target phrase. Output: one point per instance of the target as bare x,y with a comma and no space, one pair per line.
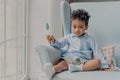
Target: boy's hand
50,38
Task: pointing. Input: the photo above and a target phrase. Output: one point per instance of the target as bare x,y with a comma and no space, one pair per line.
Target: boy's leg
61,66
50,70
91,65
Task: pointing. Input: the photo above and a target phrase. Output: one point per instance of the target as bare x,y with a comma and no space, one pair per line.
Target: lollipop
47,27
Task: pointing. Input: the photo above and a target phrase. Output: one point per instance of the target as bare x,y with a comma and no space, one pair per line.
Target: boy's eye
74,26
78,26
81,26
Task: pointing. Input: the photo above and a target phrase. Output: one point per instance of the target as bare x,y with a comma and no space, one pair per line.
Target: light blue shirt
84,47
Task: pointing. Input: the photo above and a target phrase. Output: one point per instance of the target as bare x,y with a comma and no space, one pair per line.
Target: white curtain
12,39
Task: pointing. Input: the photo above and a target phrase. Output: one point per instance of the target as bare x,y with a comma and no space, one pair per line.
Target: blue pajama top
84,47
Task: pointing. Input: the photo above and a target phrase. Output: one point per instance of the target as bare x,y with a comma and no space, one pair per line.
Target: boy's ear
86,27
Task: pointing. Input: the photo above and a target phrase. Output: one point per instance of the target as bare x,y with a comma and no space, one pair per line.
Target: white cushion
89,75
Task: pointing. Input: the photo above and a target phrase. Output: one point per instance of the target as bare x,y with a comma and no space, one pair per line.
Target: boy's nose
77,29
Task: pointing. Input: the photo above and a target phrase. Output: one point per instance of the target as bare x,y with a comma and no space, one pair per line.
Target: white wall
39,12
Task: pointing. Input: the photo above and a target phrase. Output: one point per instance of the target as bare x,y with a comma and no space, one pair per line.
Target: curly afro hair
81,14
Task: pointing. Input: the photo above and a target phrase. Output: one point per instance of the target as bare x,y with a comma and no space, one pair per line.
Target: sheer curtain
13,44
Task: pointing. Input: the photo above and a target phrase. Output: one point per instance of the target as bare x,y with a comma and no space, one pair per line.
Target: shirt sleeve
97,54
60,43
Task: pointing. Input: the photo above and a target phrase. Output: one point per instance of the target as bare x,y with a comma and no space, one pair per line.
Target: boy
81,53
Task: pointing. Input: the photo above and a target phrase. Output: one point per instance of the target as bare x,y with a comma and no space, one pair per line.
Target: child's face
78,27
